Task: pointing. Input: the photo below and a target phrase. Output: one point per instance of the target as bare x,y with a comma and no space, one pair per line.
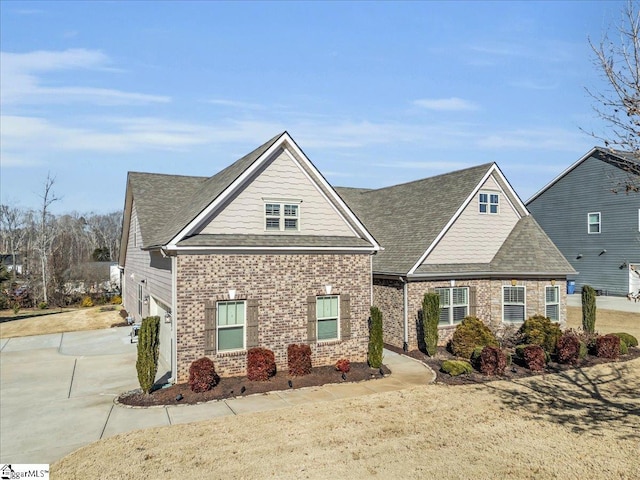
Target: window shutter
210,342
345,316
311,318
252,323
472,301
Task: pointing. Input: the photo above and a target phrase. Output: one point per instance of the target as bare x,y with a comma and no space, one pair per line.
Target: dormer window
488,203
282,217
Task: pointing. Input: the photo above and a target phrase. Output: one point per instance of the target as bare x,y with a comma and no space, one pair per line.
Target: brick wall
281,284
388,297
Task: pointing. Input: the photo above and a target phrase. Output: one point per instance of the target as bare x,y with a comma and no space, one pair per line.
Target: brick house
264,253
467,236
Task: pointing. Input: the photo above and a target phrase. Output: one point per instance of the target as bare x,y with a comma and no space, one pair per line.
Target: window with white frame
327,317
454,304
552,303
230,325
282,216
140,299
488,203
513,304
593,222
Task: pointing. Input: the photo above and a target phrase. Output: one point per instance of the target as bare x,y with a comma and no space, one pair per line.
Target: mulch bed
512,372
230,387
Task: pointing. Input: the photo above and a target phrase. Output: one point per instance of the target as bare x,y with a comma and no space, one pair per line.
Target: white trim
175,248
599,223
244,326
318,340
553,303
451,320
174,319
524,313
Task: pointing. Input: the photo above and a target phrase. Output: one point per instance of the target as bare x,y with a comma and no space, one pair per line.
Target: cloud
453,104
535,138
429,165
236,104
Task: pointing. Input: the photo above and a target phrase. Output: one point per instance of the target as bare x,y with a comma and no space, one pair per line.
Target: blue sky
374,93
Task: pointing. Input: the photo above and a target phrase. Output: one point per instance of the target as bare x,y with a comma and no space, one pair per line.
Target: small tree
588,309
374,356
148,350
430,317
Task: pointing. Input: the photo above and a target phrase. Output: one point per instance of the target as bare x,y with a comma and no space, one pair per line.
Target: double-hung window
282,216
454,304
513,304
230,325
488,203
593,222
327,317
552,303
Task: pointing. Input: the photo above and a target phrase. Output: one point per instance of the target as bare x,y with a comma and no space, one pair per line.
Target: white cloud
235,104
535,138
445,166
453,104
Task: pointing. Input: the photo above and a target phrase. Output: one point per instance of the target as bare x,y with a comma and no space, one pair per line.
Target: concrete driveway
57,392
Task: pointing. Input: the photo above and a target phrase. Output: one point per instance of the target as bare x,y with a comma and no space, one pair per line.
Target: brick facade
387,296
281,285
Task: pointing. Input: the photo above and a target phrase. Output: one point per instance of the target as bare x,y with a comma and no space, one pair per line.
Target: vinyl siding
281,180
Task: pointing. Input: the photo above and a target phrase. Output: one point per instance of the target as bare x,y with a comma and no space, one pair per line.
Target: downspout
174,320
405,297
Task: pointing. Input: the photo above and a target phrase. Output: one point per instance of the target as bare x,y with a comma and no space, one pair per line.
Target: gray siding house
591,211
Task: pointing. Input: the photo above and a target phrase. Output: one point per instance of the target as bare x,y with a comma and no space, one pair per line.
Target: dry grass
578,424
607,321
76,320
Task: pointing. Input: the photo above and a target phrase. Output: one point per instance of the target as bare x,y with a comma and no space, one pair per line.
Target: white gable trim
493,169
197,249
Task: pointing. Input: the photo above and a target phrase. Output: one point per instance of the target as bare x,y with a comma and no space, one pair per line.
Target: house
591,211
12,263
264,253
466,236
92,277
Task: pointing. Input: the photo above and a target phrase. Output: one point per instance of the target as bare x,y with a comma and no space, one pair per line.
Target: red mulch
230,387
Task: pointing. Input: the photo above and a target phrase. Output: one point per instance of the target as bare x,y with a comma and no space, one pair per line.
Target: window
552,303
454,304
281,216
488,203
327,315
593,222
513,304
230,325
140,299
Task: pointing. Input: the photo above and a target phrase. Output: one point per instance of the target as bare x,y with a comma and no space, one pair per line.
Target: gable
281,181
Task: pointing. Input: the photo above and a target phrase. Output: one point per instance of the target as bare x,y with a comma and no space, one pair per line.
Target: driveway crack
105,423
73,374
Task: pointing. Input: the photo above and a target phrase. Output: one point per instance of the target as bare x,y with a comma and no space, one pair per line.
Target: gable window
593,222
454,304
488,203
513,304
140,299
327,317
552,303
281,216
230,325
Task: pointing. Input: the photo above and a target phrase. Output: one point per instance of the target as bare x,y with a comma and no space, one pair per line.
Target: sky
374,93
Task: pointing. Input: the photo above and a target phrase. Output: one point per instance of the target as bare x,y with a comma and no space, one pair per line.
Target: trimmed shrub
608,346
588,309
117,300
123,313
430,318
299,359
539,330
374,354
43,305
568,348
624,348
86,302
148,349
534,357
456,367
492,361
261,364
202,375
471,333
627,338
343,365
584,350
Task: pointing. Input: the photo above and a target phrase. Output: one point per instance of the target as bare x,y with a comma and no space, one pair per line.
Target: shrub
16,308
117,300
374,354
123,313
261,364
624,348
627,338
470,334
568,348
584,350
343,365
202,375
299,359
86,302
43,305
539,330
148,348
430,318
588,309
456,367
608,346
534,357
492,361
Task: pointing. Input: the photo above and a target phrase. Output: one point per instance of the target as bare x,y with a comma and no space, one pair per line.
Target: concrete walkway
621,304
57,393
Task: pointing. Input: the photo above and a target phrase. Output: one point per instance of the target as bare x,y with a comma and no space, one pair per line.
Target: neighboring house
466,236
592,213
262,254
93,277
8,261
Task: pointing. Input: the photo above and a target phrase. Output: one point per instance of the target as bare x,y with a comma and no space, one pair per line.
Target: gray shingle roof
267,241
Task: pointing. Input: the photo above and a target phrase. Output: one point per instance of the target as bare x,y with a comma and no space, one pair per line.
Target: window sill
334,341
232,353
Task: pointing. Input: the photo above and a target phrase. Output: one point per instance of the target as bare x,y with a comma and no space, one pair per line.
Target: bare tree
46,232
12,223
